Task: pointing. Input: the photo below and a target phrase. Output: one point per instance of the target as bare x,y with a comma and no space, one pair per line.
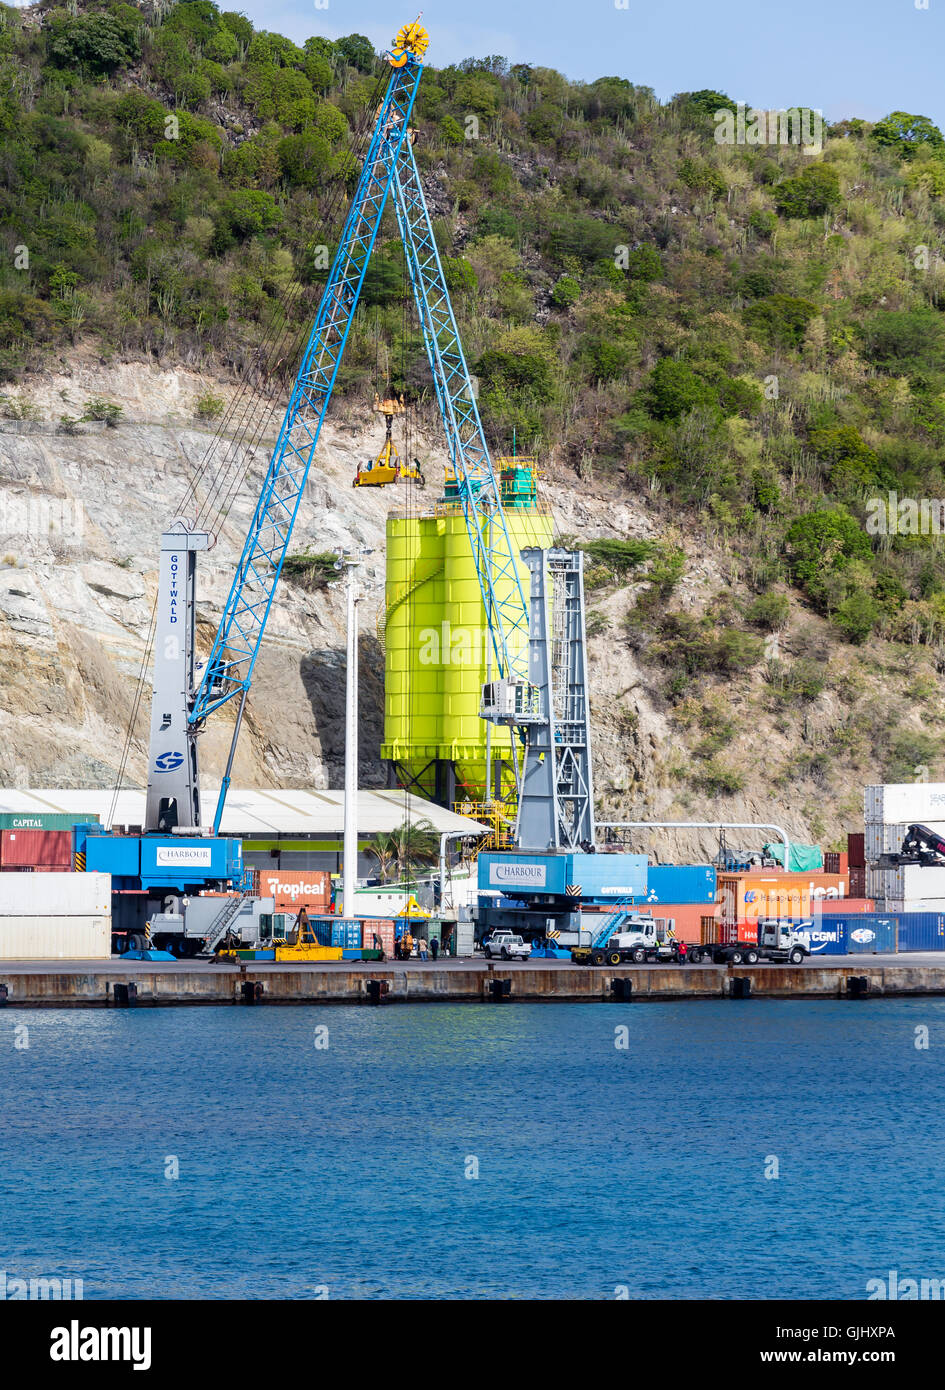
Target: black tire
614,958
736,957
796,956
751,957
504,953
694,957
598,957
638,955
487,952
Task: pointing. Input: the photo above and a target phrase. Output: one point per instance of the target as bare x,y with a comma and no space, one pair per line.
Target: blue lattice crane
557,812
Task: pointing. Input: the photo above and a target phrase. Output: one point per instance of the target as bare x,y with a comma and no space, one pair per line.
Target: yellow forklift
388,467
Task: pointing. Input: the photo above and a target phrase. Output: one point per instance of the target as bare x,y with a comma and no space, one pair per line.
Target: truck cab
639,938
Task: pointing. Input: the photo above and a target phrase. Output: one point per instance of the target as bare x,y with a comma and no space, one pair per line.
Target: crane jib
229,669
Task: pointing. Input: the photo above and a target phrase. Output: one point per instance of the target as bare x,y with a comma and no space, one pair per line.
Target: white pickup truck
507,945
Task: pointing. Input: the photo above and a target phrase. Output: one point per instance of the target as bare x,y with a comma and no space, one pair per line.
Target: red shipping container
383,928
858,881
295,888
687,916
24,848
856,851
836,862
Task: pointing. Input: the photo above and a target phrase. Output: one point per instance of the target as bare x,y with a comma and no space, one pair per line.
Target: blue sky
843,57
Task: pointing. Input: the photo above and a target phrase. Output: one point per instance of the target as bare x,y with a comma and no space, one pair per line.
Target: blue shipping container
607,877
345,932
680,883
863,933
921,931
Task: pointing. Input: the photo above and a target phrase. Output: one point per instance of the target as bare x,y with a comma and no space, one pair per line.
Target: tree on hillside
908,135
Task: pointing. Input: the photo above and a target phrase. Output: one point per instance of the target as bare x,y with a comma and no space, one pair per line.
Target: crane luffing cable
241,409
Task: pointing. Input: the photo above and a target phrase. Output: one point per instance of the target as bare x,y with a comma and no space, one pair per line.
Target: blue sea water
304,1168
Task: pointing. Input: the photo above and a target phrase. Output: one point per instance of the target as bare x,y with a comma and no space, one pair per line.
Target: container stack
888,812
60,916
746,897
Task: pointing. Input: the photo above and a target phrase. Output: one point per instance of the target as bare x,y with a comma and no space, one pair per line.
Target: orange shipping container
746,897
292,889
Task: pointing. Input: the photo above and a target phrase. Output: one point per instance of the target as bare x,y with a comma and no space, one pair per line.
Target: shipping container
857,881
308,888
381,928
346,932
921,931
866,933
76,937
769,893
36,847
907,803
60,894
897,906
836,862
43,820
845,907
856,850
680,883
464,938
910,881
687,917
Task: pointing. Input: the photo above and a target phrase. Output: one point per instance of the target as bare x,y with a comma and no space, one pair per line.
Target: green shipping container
42,820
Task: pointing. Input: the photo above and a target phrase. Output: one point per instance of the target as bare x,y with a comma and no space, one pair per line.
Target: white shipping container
56,938
465,938
55,895
897,905
908,803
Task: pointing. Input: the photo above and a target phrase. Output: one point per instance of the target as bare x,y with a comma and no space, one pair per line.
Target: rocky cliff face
80,516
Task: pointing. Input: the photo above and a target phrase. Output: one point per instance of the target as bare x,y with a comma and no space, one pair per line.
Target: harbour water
465,1151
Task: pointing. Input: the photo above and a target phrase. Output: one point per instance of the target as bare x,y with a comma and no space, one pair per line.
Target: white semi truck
780,942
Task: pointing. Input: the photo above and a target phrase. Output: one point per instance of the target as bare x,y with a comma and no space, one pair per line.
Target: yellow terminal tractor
388,467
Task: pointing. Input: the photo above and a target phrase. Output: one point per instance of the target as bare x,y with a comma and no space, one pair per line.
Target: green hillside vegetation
752,335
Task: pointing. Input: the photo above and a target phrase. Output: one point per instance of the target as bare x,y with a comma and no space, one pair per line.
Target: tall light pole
350,562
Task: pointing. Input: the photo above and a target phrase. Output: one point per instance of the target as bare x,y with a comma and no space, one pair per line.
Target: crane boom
173,796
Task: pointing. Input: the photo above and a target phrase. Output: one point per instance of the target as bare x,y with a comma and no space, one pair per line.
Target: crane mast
555,771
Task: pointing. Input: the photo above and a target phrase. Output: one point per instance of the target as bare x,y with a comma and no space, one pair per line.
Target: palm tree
413,844
384,850
417,845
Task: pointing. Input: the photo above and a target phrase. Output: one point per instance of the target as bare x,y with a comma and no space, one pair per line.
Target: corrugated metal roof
260,814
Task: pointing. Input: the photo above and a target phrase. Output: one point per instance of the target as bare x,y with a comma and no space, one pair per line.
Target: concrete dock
91,984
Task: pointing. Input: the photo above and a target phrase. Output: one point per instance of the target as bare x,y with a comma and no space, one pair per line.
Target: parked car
507,945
